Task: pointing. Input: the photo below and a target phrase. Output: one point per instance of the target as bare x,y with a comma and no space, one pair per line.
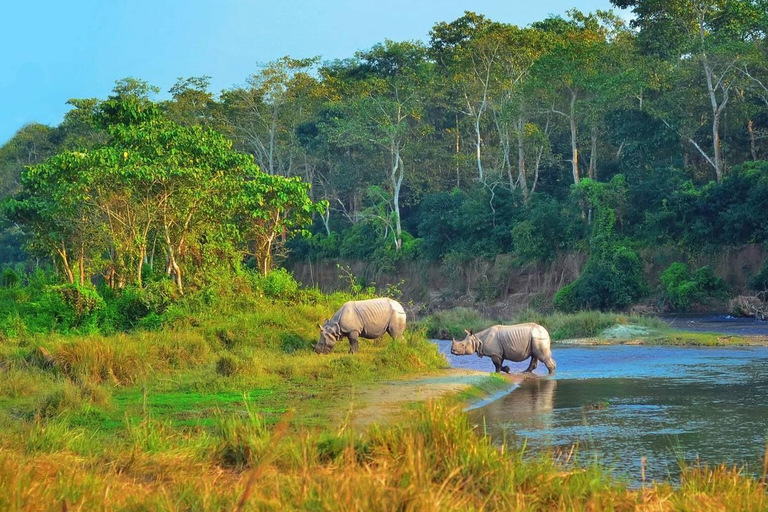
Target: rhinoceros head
329,335
467,346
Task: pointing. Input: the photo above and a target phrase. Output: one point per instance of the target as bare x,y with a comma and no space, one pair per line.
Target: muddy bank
501,286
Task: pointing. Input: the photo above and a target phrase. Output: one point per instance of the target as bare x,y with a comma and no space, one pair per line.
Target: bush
279,284
68,307
290,342
9,278
681,288
613,275
609,281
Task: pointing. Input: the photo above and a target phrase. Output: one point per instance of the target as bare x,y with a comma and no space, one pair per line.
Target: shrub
613,275
68,307
452,322
279,284
681,288
609,281
9,278
290,342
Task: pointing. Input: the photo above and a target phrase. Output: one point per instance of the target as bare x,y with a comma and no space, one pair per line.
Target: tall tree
709,33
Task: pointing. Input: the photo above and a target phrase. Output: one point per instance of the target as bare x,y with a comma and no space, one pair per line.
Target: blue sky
56,50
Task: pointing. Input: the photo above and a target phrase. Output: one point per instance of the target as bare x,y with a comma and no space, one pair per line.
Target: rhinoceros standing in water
511,342
362,318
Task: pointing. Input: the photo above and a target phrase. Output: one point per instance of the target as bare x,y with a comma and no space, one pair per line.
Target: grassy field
228,408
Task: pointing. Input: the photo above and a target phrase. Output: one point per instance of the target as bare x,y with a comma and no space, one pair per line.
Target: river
624,402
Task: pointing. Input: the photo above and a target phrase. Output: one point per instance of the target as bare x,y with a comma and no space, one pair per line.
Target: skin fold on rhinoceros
368,319
509,342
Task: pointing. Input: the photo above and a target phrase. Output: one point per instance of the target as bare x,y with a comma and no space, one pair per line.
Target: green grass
155,421
703,339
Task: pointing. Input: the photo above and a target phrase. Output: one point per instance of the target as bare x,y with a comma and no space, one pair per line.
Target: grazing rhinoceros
367,318
511,342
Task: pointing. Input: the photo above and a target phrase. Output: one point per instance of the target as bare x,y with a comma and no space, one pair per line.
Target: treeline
572,133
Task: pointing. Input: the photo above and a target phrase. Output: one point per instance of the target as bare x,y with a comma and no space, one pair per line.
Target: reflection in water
621,403
530,404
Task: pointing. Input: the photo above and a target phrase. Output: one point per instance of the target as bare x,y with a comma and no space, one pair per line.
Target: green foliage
9,278
156,188
682,289
613,276
279,284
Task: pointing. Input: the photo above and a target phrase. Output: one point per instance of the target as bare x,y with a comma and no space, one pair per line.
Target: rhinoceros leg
550,364
532,365
353,342
497,362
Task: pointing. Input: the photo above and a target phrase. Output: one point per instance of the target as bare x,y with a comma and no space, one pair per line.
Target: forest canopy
471,144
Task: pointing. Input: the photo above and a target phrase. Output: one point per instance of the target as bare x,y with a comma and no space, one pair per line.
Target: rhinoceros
510,342
362,318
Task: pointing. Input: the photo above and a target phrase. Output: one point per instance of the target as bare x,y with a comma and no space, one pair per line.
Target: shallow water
622,402
724,324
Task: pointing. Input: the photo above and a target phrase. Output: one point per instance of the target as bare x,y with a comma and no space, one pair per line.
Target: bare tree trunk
458,150
593,155
574,146
174,270
752,139
717,108
82,264
397,182
142,257
65,263
478,142
521,157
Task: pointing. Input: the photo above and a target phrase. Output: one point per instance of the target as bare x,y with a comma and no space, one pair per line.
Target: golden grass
433,461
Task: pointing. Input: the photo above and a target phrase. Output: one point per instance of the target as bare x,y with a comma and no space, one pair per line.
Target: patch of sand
386,401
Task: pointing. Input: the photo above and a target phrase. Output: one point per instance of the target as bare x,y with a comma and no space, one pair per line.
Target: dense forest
581,133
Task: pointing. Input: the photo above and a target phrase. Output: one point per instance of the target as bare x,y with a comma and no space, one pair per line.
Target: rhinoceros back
371,318
515,342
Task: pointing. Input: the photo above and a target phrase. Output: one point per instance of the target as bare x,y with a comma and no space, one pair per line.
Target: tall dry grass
434,461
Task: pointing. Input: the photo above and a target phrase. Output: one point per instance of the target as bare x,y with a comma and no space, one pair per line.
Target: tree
709,33
574,70
155,180
384,105
264,115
